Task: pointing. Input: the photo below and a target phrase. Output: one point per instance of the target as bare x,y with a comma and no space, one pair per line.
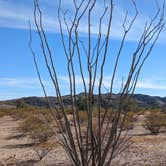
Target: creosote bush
5,112
83,117
35,127
22,113
154,121
127,123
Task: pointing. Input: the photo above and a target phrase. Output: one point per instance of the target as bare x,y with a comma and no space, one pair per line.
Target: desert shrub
23,113
63,128
163,120
141,111
35,127
21,104
127,123
124,123
68,111
59,115
153,122
130,105
46,114
3,113
108,116
83,116
81,103
96,112
7,111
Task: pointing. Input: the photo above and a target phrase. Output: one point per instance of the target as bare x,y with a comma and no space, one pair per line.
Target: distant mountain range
141,100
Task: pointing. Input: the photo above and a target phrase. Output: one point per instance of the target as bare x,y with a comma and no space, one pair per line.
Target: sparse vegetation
21,104
96,62
4,112
83,116
81,103
33,122
154,121
36,128
127,122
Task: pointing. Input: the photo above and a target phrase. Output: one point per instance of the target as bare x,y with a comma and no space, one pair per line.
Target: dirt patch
143,153
12,148
16,148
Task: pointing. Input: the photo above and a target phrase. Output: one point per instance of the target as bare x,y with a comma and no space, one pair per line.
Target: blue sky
17,72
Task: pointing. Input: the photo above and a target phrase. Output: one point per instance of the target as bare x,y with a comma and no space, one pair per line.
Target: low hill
141,100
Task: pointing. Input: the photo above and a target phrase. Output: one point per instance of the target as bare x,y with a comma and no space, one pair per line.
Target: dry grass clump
163,120
155,139
7,111
37,124
83,117
36,128
126,122
68,111
155,121
22,113
4,112
34,122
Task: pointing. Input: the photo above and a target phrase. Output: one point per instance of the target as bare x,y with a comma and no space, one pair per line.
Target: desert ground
16,149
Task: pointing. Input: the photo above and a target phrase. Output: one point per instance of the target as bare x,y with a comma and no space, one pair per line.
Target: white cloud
154,84
151,85
17,82
33,82
21,83
15,15
21,87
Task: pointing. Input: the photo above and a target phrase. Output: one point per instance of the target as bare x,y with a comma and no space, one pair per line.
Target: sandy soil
13,147
147,150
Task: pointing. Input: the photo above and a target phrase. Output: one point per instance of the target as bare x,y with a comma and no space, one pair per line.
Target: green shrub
81,103
21,104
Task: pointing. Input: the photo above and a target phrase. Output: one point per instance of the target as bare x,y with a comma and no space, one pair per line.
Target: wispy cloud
16,15
151,85
19,82
33,83
21,87
17,87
